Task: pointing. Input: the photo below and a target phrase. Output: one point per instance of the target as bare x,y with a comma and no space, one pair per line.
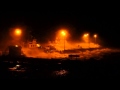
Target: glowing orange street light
86,35
95,36
63,34
18,32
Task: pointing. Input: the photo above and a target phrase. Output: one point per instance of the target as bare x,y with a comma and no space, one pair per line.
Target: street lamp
87,36
95,36
18,32
17,36
63,33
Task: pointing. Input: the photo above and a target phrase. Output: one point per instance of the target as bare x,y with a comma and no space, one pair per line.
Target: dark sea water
34,68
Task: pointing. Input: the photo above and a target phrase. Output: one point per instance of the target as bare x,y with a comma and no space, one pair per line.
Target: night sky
44,23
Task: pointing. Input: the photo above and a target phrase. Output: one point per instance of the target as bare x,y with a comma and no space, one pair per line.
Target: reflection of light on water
59,63
60,72
17,65
17,68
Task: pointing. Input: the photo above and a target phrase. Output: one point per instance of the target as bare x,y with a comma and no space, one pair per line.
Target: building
33,44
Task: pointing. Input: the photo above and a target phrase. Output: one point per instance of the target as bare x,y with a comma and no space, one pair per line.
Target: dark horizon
44,24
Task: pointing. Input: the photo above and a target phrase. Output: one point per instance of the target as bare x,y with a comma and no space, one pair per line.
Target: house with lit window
33,44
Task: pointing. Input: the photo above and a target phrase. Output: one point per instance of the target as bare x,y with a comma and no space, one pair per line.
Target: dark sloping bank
34,68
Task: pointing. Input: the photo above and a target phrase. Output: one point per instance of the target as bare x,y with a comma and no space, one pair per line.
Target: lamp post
18,32
86,36
95,36
63,34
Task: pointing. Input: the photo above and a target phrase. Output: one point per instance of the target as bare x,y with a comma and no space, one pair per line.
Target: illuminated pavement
83,53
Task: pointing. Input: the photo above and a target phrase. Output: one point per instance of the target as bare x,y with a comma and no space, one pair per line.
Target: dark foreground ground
29,68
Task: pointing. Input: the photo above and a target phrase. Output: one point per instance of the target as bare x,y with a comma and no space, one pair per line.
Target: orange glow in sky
63,33
18,32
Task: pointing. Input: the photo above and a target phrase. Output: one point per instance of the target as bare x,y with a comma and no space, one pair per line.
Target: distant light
63,33
18,31
95,35
17,65
85,35
16,45
38,45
